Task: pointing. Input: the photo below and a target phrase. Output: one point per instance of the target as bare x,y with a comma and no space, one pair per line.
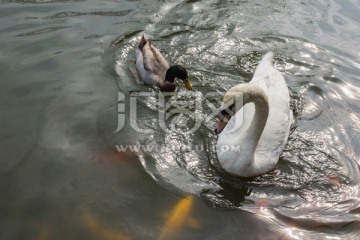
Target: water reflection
230,196
98,228
317,170
62,65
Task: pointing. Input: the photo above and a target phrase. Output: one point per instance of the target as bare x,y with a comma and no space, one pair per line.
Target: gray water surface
62,65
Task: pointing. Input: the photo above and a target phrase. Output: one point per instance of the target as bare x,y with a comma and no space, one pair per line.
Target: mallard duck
250,141
155,70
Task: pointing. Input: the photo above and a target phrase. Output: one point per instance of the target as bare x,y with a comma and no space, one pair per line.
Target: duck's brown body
155,70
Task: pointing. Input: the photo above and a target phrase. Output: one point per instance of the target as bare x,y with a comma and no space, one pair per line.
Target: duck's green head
178,71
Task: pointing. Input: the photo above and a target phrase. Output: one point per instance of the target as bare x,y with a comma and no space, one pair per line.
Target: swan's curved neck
248,93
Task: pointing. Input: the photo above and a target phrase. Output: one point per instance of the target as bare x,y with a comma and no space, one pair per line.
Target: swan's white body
253,139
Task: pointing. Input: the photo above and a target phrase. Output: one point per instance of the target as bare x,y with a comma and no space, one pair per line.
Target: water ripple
42,31
314,189
98,13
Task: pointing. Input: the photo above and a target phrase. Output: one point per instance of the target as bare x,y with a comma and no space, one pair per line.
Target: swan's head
226,111
224,117
235,99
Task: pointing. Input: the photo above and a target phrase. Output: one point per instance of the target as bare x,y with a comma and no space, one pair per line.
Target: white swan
250,143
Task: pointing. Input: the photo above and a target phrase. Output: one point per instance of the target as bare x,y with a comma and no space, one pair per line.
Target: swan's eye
227,112
225,116
232,109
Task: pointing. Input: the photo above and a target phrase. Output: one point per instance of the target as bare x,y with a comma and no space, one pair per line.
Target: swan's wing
277,127
273,83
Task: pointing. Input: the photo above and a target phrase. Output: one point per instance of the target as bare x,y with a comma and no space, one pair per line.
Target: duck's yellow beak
187,84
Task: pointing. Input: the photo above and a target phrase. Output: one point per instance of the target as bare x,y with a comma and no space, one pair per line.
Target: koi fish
179,217
100,230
